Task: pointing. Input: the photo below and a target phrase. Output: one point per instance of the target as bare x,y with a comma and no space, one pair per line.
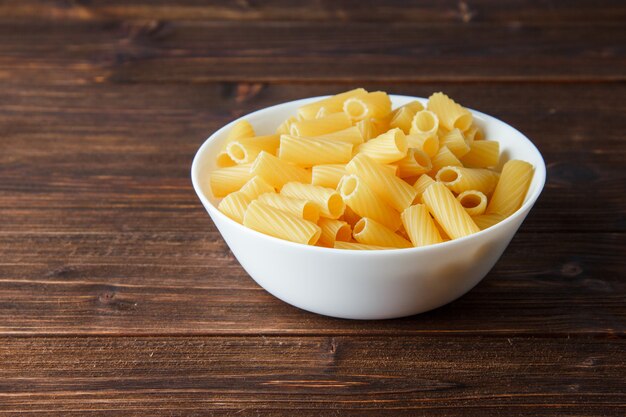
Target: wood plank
123,163
362,10
198,52
189,283
403,376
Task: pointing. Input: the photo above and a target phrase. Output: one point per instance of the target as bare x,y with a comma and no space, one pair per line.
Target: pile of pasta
351,173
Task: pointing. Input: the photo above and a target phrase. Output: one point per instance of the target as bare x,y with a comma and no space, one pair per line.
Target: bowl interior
513,145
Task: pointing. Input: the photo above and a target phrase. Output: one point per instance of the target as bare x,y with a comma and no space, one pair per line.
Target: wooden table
119,297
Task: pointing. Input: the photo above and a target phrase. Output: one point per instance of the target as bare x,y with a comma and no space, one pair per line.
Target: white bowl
378,284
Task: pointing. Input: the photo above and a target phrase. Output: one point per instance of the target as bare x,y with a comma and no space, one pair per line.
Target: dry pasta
455,141
415,163
327,175
420,226
331,104
234,205
366,203
511,188
280,224
349,172
482,154
245,150
448,211
255,187
427,144
227,180
397,193
323,125
485,221
370,232
276,172
332,231
450,114
386,148
302,208
357,246
474,202
306,152
327,200
460,179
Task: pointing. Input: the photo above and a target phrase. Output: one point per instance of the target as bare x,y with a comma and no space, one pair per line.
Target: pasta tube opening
474,202
425,122
448,175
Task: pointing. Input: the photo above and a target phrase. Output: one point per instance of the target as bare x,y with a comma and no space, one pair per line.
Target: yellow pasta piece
255,187
227,180
425,123
425,143
422,183
460,179
245,150
448,211
350,135
276,172
350,216
386,148
327,200
415,163
451,115
322,112
332,231
316,127
402,119
331,104
376,104
234,205
285,127
370,232
366,203
414,106
304,209
443,158
472,134
397,193
241,129
327,175
455,141
474,202
306,152
482,154
280,224
419,226
358,246
485,221
511,188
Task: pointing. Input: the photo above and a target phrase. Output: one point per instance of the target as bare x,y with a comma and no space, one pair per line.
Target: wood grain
139,284
274,376
123,161
292,51
343,10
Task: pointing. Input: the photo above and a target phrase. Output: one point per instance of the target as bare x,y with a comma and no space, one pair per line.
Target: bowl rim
540,171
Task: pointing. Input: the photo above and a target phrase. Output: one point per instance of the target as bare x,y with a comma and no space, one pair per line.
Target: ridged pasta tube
426,143
306,152
460,179
328,201
245,150
375,105
366,203
485,221
234,205
419,226
386,148
241,129
227,180
415,163
370,232
444,158
327,124
474,202
304,209
511,188
280,224
330,104
255,187
397,193
451,115
276,172
455,141
448,211
332,231
482,154
425,123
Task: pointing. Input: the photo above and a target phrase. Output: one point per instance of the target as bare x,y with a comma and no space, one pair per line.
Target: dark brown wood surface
118,296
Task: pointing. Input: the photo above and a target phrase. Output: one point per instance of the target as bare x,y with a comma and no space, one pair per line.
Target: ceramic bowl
377,284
